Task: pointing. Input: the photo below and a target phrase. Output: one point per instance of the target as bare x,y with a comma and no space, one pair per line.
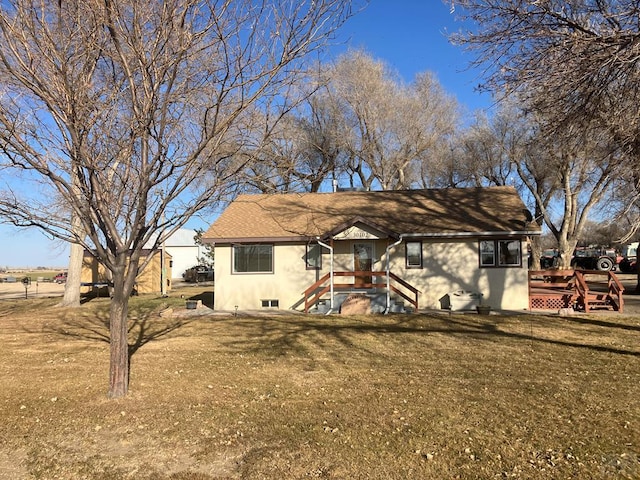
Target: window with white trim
256,258
500,253
413,255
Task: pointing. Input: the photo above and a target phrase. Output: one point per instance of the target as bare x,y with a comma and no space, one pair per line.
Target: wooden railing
590,299
320,288
555,289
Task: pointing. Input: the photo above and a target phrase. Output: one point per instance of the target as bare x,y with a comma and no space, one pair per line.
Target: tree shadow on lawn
145,325
599,322
280,335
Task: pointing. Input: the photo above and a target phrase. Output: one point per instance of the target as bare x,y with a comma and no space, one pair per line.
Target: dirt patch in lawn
407,396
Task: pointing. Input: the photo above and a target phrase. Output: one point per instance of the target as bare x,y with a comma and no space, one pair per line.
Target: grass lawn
424,396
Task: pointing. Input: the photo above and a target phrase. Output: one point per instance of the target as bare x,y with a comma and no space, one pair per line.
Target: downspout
321,243
388,250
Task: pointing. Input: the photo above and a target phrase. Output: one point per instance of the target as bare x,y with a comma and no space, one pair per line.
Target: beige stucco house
301,250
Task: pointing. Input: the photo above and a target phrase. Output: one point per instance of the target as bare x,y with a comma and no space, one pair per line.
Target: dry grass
293,396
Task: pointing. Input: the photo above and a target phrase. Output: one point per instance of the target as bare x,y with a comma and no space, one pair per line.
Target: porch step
378,303
599,300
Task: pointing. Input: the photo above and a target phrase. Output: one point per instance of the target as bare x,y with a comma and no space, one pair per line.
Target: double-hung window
253,258
500,253
413,257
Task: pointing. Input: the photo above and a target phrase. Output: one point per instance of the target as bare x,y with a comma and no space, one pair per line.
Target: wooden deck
580,289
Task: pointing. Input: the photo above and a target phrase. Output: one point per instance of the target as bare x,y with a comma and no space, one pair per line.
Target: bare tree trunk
71,296
118,328
536,252
565,249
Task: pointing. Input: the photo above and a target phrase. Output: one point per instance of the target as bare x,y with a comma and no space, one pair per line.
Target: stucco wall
453,265
447,266
247,290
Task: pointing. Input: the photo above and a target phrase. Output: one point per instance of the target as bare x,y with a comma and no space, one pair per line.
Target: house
94,278
301,250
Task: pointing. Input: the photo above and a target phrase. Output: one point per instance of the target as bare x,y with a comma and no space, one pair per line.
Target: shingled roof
433,212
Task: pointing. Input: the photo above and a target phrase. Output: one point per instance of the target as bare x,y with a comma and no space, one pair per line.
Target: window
414,255
500,253
271,303
487,253
313,257
253,258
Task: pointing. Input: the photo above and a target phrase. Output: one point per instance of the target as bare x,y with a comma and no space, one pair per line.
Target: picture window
253,259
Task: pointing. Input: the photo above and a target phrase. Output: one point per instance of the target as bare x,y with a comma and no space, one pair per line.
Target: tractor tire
604,264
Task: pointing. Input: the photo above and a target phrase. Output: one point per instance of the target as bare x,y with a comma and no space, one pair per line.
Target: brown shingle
451,211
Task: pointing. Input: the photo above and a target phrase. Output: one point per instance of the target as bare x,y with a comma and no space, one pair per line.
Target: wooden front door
362,262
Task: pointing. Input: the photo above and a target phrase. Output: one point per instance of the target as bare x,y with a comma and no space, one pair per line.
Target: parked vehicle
199,273
595,259
550,258
629,256
60,277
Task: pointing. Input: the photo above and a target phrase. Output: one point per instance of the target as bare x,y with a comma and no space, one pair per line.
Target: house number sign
355,233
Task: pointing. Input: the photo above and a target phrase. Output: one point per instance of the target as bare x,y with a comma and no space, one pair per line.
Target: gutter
471,234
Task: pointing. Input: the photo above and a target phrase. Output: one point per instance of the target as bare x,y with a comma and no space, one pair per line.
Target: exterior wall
147,282
183,258
448,266
247,290
183,249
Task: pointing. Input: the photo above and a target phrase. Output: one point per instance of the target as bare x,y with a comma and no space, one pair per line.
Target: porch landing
378,303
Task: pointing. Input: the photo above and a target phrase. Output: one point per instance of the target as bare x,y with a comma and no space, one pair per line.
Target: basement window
270,303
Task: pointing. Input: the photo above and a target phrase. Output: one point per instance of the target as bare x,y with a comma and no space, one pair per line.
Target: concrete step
378,302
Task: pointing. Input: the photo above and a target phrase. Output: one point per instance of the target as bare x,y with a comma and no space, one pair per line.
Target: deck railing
320,288
555,289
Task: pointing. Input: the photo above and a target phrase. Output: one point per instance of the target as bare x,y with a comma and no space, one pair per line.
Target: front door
362,262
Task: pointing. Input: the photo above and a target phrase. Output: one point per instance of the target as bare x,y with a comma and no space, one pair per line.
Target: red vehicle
60,278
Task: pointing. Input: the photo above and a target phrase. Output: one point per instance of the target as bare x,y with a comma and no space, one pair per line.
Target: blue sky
410,35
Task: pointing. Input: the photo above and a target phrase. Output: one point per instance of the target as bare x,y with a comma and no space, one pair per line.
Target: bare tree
390,130
585,166
570,61
131,112
575,63
574,60
301,151
565,175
